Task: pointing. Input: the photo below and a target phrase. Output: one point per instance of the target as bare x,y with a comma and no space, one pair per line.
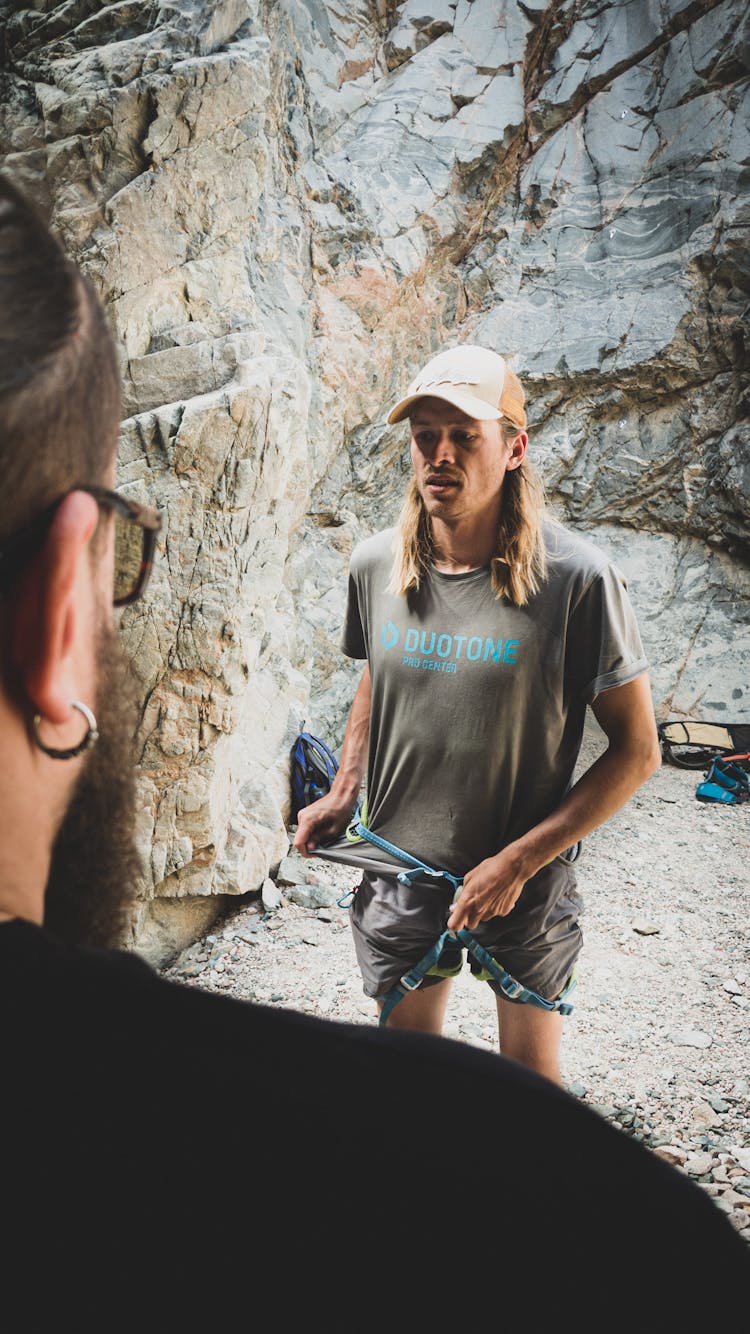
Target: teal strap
418,868
510,988
412,980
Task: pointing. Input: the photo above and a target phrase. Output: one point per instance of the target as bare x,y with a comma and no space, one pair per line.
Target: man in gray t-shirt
487,630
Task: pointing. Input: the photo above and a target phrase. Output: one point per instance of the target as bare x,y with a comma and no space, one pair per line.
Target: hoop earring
90,737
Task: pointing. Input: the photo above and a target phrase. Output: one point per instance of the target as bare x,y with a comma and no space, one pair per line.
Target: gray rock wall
287,207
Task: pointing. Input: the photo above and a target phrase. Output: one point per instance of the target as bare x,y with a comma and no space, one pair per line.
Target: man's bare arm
625,714
324,819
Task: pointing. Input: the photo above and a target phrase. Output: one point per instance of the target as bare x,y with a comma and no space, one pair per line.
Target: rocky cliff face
287,206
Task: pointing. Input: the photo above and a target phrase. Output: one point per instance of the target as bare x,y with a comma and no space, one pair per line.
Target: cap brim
477,408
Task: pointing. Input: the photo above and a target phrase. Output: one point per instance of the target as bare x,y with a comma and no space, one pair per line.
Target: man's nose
442,451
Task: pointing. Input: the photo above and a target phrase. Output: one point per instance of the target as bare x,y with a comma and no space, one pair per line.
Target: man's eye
463,438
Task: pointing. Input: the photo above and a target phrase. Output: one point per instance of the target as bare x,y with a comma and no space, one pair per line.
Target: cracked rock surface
287,207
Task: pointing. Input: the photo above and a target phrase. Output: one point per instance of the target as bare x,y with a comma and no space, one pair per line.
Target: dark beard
95,866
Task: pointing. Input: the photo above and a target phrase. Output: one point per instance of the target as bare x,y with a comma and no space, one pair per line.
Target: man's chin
95,866
433,502
446,493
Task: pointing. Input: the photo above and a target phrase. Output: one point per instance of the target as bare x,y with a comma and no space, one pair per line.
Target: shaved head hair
59,377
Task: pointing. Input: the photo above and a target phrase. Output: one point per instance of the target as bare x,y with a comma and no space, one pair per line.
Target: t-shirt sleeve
353,641
603,645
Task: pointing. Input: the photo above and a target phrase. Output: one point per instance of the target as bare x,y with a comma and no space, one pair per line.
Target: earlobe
68,752
518,450
52,616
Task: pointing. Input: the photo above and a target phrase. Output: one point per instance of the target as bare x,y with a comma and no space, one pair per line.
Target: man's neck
462,547
22,885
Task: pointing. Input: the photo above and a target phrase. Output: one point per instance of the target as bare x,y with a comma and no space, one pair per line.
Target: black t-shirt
176,1160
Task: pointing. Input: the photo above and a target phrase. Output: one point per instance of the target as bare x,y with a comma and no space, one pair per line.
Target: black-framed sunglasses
136,529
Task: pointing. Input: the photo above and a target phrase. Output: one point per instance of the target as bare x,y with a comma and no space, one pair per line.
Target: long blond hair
519,564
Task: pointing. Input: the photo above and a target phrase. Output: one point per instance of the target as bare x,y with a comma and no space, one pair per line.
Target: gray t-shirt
478,706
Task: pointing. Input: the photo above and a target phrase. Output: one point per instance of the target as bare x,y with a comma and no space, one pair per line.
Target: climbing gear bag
313,768
691,744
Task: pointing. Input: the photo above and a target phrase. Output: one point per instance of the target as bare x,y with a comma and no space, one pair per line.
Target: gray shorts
394,926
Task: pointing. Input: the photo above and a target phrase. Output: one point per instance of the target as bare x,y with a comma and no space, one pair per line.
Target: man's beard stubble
95,866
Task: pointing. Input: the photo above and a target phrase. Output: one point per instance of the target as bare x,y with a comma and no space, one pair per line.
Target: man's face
459,463
95,865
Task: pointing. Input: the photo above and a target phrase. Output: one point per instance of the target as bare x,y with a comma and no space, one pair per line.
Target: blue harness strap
412,980
417,867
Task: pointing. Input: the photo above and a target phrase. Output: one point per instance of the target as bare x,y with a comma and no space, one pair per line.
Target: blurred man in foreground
177,1160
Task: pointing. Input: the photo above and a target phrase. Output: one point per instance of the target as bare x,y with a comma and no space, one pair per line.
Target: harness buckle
511,988
409,986
406,877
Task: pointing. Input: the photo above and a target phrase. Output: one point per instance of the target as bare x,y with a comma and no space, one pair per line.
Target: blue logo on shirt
440,652
389,636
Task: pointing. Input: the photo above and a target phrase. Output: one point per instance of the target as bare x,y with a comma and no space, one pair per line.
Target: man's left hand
491,889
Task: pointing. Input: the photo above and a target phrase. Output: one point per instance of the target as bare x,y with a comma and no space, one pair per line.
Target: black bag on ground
691,744
313,768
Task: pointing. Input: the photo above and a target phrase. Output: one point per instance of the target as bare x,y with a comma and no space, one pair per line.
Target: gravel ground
658,1039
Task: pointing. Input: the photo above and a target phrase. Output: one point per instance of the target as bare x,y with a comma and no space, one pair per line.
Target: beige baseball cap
477,381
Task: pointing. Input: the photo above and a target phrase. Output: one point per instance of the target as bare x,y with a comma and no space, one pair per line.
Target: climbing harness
412,980
313,768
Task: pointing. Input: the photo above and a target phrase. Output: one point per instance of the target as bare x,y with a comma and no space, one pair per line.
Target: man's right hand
321,822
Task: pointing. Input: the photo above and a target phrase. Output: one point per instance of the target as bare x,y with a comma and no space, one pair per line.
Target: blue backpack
313,768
